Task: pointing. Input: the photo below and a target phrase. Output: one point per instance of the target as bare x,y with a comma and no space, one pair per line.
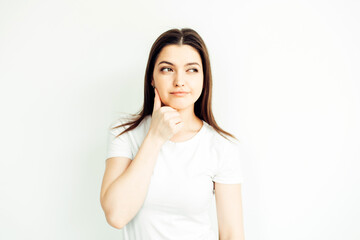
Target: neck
191,121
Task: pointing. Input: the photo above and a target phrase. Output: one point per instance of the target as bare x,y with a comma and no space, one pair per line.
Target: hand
165,122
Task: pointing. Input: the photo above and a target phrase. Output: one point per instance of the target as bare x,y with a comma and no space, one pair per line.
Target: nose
179,79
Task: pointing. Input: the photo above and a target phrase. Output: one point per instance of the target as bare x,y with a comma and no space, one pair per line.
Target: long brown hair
202,107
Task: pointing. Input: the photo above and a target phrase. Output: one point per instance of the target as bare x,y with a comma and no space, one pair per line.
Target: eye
168,69
195,70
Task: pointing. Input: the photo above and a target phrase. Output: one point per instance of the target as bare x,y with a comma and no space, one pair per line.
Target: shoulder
219,142
218,138
123,118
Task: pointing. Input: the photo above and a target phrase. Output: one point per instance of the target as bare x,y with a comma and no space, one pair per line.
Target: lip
179,94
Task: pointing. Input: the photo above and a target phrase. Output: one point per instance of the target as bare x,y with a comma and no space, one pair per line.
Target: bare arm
126,181
123,198
229,211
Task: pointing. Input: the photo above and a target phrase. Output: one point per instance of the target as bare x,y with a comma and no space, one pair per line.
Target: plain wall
286,83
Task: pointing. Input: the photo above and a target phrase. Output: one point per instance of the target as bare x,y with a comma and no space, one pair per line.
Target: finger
157,101
169,109
178,126
174,121
172,115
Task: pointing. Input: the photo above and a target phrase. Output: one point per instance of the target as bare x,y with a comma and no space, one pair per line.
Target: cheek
198,85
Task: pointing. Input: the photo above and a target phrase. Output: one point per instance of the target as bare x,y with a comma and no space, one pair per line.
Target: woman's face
178,69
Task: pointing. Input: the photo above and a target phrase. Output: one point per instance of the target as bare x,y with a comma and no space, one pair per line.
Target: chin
179,106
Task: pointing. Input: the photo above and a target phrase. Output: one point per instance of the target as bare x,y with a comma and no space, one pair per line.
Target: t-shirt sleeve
230,165
118,146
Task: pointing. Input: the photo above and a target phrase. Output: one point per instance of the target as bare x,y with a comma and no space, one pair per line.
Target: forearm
127,193
239,235
233,238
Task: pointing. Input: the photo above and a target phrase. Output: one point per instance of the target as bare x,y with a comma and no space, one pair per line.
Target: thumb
157,101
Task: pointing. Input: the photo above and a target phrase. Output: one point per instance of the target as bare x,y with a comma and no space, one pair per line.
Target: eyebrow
191,63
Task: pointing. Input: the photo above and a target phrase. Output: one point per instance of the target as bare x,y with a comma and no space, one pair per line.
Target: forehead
179,55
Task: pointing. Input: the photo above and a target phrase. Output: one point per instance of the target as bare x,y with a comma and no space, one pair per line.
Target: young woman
165,163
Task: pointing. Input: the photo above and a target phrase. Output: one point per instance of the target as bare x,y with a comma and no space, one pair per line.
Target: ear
152,83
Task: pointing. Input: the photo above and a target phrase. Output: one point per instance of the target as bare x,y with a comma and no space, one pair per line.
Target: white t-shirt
181,187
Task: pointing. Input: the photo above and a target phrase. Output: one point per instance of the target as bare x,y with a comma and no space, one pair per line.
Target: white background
286,82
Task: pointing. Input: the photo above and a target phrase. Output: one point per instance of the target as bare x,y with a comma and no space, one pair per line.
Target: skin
175,75
172,118
179,76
